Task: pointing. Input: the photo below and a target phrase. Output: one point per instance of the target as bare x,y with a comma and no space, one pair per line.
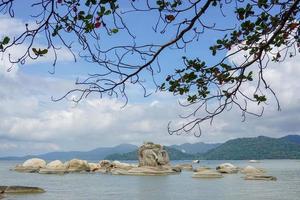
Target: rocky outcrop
76,165
185,166
260,177
20,189
153,161
227,168
54,167
32,165
94,166
207,173
199,169
252,170
153,155
144,171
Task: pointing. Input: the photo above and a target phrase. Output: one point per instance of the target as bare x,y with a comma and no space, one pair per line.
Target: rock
76,165
125,166
199,169
227,168
144,171
260,177
20,189
94,166
254,161
185,166
105,166
207,173
251,170
54,167
31,165
153,155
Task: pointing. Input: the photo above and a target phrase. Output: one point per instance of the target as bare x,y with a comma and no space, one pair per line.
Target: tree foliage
263,31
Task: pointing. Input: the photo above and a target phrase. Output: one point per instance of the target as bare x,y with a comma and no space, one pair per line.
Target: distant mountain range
95,154
261,147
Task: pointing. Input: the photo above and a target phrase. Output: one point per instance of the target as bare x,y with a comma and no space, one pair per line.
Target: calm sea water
181,186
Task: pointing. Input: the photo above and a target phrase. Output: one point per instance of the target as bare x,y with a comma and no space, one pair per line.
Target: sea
93,186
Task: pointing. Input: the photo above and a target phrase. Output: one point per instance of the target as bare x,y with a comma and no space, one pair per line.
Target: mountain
255,148
292,138
199,147
174,154
95,154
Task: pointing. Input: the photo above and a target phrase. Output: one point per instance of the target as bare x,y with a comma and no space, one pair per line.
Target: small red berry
97,24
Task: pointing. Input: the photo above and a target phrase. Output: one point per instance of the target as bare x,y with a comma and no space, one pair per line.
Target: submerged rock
260,177
20,189
207,173
199,169
31,165
227,168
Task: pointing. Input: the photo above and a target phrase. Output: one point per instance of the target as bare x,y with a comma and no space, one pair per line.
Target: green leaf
5,40
114,30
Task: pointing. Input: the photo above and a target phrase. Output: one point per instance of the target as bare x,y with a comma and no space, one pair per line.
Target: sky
31,123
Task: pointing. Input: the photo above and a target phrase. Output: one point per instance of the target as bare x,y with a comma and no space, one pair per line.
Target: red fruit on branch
97,24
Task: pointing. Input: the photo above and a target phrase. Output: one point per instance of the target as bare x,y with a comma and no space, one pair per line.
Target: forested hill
255,148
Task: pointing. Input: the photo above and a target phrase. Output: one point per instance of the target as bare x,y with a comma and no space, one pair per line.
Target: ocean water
173,187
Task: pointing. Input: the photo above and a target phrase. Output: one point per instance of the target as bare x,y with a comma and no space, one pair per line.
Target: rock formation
207,173
252,170
32,165
54,167
20,189
185,166
260,177
76,165
153,155
153,161
227,168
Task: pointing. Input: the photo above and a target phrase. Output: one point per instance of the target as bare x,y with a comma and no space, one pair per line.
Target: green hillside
255,148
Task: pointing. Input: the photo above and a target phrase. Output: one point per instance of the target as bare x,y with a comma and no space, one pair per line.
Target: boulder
153,155
254,161
185,166
54,167
207,173
199,169
105,166
120,165
144,171
227,168
260,177
31,165
94,166
76,165
251,170
20,189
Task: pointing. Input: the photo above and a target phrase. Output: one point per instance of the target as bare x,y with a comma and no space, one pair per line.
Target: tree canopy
261,32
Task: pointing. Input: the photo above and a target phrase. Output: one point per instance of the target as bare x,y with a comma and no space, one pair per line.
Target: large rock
207,173
251,170
94,166
185,166
105,166
199,169
153,155
227,168
260,177
31,165
20,189
120,165
76,165
144,171
153,161
54,167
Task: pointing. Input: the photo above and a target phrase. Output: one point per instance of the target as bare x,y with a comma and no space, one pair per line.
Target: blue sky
31,123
